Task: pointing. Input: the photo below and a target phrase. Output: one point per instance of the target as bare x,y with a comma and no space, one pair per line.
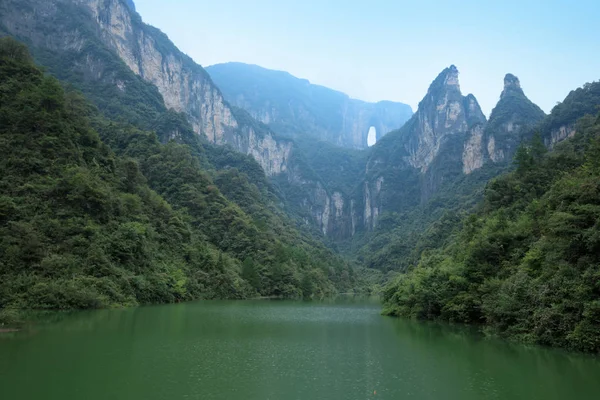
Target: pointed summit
451,76
513,116
130,4
511,85
446,80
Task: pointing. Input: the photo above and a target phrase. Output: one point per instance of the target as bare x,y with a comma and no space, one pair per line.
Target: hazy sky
392,49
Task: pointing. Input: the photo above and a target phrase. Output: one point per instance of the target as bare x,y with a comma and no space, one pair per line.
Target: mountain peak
447,80
130,4
451,76
511,84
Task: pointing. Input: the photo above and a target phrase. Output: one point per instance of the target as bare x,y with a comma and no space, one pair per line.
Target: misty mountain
295,107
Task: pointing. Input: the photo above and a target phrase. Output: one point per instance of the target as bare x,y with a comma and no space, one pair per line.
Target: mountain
295,107
561,123
421,178
98,42
526,264
134,73
439,143
96,212
513,117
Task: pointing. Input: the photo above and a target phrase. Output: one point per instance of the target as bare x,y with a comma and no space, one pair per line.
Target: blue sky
392,49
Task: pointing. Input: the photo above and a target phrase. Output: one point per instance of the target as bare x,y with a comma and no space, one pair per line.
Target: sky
393,49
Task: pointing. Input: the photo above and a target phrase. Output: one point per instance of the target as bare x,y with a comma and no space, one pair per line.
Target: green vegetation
89,223
527,264
516,110
581,101
340,169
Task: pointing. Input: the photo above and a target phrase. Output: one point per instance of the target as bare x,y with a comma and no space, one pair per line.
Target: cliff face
184,86
447,138
103,46
442,141
561,122
514,116
298,108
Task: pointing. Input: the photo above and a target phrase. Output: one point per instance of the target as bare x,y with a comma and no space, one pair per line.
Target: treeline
527,265
96,213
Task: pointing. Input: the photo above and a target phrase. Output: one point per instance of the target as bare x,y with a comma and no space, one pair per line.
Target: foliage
581,101
527,264
83,227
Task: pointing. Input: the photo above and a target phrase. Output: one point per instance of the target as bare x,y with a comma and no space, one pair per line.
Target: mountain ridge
296,107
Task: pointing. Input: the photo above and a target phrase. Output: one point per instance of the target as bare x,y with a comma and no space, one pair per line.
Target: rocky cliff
441,141
296,107
514,116
104,48
133,72
561,122
95,27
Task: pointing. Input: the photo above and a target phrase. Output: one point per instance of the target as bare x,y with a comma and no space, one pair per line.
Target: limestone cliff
295,107
183,85
441,141
561,122
514,116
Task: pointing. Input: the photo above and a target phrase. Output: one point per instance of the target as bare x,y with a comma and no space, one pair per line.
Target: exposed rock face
473,154
559,134
447,137
443,115
184,85
329,212
443,140
296,107
562,121
514,116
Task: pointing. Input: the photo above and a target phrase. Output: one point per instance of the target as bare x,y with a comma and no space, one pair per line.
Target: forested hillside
96,213
527,264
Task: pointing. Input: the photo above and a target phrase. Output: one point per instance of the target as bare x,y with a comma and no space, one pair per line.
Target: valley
133,176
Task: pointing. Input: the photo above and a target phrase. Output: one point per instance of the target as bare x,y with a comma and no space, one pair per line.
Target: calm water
277,350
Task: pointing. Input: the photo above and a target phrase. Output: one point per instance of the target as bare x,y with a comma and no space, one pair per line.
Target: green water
277,350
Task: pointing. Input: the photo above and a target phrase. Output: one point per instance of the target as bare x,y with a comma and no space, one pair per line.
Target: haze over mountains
268,174
298,108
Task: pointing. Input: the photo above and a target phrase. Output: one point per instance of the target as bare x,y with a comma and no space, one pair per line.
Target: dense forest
98,213
527,263
109,198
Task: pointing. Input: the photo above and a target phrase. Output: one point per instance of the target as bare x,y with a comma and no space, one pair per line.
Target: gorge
134,176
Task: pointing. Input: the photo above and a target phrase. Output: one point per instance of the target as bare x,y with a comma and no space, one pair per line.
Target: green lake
272,350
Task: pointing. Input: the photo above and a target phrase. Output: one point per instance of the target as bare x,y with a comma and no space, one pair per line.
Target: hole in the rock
372,136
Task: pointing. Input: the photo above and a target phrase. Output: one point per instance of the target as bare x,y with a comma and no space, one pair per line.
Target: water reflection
335,349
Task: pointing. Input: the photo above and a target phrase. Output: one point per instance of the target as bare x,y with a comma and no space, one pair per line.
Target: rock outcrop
294,106
513,117
441,141
184,85
447,138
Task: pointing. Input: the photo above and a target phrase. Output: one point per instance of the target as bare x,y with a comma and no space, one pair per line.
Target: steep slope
133,73
296,107
526,265
81,227
514,116
436,145
560,124
423,212
90,41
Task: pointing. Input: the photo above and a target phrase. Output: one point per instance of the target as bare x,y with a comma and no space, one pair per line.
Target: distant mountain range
295,107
